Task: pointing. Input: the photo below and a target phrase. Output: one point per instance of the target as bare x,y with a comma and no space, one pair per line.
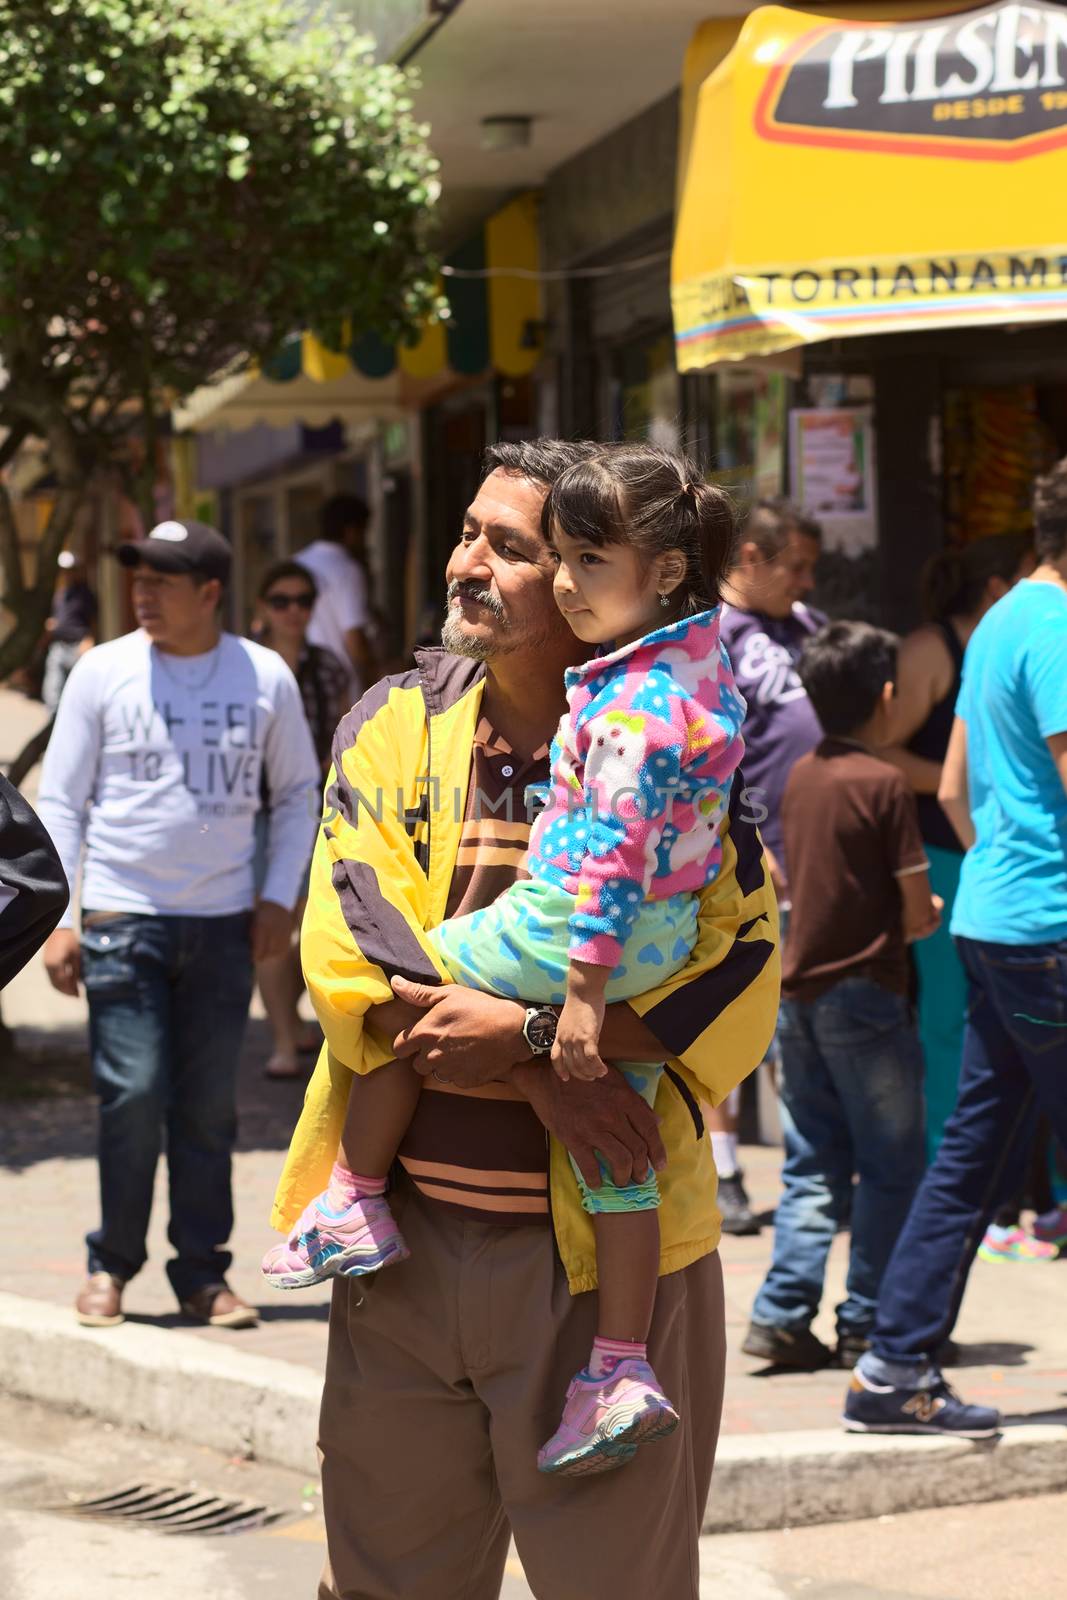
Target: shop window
997,440
257,549
645,395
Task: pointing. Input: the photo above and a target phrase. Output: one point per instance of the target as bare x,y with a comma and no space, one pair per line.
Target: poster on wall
832,474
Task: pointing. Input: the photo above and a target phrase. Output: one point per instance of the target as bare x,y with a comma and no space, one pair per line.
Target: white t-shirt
341,604
154,768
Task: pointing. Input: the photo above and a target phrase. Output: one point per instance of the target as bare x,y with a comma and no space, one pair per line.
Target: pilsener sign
845,179
991,83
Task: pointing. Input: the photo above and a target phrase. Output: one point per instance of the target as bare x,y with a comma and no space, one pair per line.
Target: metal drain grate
170,1509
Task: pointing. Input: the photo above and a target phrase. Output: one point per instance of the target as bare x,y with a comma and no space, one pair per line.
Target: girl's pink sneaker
605,1419
329,1244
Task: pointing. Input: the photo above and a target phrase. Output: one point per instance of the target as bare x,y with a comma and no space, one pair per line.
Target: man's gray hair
541,460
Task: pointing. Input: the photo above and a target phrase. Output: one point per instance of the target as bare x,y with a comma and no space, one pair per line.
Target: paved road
1008,1552
49,1554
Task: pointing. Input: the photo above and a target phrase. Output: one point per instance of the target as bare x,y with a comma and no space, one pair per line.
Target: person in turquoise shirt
1004,788
959,586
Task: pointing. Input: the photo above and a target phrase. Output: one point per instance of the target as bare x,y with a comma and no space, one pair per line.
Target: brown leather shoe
99,1305
218,1306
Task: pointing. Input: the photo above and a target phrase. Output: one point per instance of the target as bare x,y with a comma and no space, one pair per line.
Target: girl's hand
576,1052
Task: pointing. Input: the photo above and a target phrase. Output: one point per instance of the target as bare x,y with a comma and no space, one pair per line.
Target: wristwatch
539,1029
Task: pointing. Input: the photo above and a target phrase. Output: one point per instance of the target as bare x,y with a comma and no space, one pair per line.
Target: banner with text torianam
849,178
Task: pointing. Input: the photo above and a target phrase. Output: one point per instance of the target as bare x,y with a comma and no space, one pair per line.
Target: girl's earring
664,599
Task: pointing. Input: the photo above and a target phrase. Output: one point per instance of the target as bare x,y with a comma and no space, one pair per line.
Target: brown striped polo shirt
483,1152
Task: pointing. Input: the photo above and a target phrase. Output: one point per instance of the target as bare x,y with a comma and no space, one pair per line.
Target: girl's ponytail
716,519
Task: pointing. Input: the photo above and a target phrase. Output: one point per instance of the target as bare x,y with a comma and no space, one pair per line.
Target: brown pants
444,1376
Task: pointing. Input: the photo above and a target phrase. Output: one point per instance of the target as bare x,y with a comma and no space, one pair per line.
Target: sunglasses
282,602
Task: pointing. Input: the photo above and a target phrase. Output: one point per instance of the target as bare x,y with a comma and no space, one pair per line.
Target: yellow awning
245,397
844,177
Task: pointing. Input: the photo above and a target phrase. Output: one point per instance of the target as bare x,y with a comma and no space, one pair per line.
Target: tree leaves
185,180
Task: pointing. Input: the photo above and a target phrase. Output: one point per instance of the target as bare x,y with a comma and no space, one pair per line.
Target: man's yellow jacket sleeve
369,898
716,1017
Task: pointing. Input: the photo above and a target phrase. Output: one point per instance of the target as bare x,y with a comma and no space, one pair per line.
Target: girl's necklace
189,685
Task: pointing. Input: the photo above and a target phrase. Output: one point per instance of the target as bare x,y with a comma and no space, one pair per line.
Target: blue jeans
168,1000
852,1104
1014,1060
59,663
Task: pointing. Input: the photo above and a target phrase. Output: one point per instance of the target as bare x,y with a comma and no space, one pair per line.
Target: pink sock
608,1353
345,1187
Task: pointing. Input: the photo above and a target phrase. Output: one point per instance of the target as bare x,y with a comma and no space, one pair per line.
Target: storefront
870,272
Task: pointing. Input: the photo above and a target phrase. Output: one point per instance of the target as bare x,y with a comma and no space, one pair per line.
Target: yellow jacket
395,802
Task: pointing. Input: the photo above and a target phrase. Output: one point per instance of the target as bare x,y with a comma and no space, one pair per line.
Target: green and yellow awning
494,326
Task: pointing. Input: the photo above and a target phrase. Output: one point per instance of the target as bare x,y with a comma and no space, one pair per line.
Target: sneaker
737,1213
605,1419
329,1244
880,1408
850,1346
1051,1227
1014,1244
786,1347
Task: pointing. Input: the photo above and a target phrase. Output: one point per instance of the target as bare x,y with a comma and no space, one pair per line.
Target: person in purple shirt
765,624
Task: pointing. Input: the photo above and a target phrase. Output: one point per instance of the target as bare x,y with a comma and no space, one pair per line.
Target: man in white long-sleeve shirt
166,743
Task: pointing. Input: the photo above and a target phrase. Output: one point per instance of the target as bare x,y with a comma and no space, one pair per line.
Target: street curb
179,1386
789,1480
172,1384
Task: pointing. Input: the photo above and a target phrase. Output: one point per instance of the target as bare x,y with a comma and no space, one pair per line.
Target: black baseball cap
184,546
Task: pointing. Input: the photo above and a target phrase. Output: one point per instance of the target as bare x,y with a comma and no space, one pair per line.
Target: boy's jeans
852,1103
168,1001
1014,1060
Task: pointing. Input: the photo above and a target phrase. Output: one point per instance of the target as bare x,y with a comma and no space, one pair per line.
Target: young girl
641,770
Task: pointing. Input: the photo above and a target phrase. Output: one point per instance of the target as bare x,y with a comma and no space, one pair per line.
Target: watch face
541,1030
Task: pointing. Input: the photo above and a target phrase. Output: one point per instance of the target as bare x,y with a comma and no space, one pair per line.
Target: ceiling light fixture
506,133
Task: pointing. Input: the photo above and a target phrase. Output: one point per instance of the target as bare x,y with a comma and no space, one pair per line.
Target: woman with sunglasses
286,597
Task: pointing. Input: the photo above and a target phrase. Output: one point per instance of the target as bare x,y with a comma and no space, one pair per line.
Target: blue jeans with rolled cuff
1014,1063
168,1002
850,1089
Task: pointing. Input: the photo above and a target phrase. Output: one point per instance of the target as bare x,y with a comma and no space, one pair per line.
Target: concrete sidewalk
1012,1332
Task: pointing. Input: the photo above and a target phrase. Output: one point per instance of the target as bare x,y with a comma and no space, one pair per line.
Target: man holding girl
462,1354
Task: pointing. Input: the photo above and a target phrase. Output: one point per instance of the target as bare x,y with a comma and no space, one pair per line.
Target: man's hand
272,931
463,1036
63,960
390,1017
606,1115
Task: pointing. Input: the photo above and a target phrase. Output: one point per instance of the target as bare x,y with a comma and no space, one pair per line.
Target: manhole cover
171,1509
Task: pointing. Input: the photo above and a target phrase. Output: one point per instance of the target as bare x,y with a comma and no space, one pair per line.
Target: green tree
184,182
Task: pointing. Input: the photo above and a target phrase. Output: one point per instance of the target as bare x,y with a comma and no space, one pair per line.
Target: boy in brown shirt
851,1069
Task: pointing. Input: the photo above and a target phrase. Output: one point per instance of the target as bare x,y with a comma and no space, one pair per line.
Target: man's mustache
458,590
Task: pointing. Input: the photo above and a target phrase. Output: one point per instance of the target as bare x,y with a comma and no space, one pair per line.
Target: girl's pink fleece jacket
641,771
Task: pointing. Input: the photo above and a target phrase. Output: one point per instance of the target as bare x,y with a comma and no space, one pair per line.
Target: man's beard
453,635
